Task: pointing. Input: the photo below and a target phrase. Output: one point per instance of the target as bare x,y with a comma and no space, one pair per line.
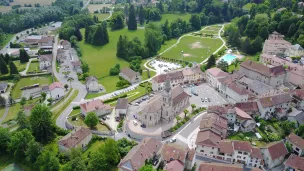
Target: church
165,106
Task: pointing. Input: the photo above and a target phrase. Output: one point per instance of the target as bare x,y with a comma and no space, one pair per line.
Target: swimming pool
229,58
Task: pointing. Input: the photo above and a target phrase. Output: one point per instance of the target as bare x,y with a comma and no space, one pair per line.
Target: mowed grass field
22,2
172,17
195,49
94,7
20,66
211,30
101,16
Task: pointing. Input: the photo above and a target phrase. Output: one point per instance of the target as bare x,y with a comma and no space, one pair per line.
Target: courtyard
164,66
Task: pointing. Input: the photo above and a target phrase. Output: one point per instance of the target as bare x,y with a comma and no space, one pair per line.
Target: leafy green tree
91,120
76,162
246,46
192,6
300,130
122,47
160,6
210,62
3,67
195,21
264,32
292,30
251,29
85,67
147,168
47,161
289,147
22,121
256,45
117,21
2,101
132,24
223,65
111,149
7,58
23,101
186,112
167,30
193,106
33,151
153,39
41,123
295,7
234,38
288,127
101,36
13,68
98,161
141,15
78,34
24,57
178,118
19,143
5,137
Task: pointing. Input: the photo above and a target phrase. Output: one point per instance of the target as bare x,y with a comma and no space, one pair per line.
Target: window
150,118
245,153
239,152
202,151
212,148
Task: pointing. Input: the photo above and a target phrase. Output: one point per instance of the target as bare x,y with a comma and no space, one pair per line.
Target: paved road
86,5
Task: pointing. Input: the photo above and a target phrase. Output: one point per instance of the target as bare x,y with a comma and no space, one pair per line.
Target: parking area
164,66
205,95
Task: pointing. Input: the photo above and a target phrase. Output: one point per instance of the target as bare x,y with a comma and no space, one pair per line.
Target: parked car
154,162
108,117
172,140
103,118
134,122
117,119
143,125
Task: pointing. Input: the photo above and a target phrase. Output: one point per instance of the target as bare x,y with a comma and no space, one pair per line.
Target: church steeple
167,87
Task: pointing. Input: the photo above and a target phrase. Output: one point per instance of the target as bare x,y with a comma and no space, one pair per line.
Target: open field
7,38
20,66
101,16
94,7
95,56
211,30
195,49
22,2
34,67
172,17
29,81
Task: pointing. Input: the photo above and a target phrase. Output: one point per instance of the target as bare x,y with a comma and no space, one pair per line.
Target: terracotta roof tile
214,122
55,85
75,137
298,93
248,106
173,151
207,138
171,75
94,105
275,100
242,114
256,153
220,167
216,72
295,162
277,149
242,146
296,140
226,147
174,165
262,69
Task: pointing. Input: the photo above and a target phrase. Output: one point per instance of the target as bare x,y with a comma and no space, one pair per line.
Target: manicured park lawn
195,49
101,16
172,17
101,58
29,81
34,67
20,66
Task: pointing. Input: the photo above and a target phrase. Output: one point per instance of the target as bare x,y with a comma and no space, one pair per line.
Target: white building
121,107
274,154
297,144
56,90
275,44
213,75
294,50
130,75
92,84
175,78
95,106
45,61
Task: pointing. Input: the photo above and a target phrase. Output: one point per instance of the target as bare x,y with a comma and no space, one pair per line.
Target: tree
147,168
256,45
178,118
251,29
33,151
2,101
13,68
3,67
288,127
22,121
160,6
91,120
167,30
186,112
192,6
117,21
210,62
47,161
43,95
74,41
122,47
23,101
41,123
19,143
223,65
98,161
292,30
7,58
246,46
153,39
70,79
132,24
193,106
66,86
264,32
101,36
141,15
295,7
76,161
85,67
111,149
195,21
5,137
24,57
78,34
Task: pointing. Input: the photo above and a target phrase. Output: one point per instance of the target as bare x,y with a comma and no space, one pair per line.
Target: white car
172,140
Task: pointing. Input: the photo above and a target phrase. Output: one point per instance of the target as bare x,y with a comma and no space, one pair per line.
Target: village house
212,76
298,98
45,61
121,107
77,66
66,45
274,154
220,167
46,42
96,106
294,50
274,106
214,122
148,148
61,57
130,75
296,116
3,87
256,87
271,76
275,44
297,144
78,138
92,84
164,106
174,165
294,163
175,78
249,107
176,153
56,90
193,74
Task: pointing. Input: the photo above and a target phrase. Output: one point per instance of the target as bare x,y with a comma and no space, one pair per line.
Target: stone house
298,98
249,107
275,44
294,163
274,154
56,90
66,45
45,61
274,106
92,84
46,42
174,165
78,138
96,106
77,66
61,57
294,50
130,75
274,76
297,144
255,87
121,107
212,76
148,148
3,87
175,78
193,74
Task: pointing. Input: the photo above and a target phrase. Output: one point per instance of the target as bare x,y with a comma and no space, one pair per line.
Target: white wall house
130,75
212,76
95,106
56,90
294,50
175,78
274,154
45,61
121,107
297,144
92,84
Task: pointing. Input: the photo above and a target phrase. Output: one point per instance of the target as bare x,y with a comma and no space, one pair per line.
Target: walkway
5,113
27,66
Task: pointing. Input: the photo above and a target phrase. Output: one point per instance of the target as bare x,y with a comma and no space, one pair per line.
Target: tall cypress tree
211,61
141,15
13,68
3,67
23,56
7,58
132,24
86,34
121,47
101,36
78,34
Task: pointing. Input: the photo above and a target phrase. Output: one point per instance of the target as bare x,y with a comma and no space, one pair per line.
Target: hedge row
115,98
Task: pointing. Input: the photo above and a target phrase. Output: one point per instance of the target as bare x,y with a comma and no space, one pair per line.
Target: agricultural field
22,2
95,7
16,93
195,49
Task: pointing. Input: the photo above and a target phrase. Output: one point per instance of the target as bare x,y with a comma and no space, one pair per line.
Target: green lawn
195,49
29,81
172,17
20,66
2,110
101,16
12,112
7,39
93,147
34,67
101,58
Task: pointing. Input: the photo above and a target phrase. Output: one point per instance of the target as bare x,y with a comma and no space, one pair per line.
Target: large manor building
163,107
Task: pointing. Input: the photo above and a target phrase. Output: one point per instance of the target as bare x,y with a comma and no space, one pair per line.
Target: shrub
76,107
74,118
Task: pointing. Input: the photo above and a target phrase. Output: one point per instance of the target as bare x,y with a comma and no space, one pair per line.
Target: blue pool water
229,58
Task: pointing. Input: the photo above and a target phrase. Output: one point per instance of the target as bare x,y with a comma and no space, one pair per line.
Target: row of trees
7,66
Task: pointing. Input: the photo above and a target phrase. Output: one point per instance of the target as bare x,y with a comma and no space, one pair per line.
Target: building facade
275,44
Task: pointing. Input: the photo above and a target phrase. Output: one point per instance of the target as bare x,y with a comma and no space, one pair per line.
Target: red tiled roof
275,100
295,162
238,89
55,85
277,149
242,146
214,122
242,114
191,154
75,137
296,140
248,106
173,151
171,75
216,72
226,147
94,105
174,165
207,138
256,153
262,69
220,167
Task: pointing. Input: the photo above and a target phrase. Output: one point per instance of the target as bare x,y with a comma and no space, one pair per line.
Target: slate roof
275,100
262,69
75,137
